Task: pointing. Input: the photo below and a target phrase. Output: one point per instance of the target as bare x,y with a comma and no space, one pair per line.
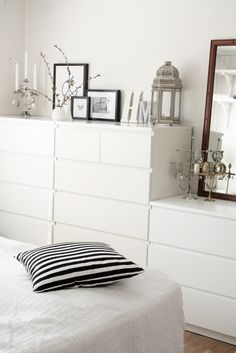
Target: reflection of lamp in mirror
166,95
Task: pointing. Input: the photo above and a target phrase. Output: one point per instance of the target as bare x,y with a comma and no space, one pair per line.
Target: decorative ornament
166,95
25,98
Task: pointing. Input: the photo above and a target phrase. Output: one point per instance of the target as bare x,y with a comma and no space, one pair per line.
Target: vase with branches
68,89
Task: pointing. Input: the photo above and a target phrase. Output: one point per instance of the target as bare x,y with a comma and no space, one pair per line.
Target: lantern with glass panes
166,95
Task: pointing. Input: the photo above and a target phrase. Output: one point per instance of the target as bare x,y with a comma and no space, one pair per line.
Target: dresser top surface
218,208
91,124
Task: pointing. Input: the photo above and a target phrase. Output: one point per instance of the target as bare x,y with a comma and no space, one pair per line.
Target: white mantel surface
219,208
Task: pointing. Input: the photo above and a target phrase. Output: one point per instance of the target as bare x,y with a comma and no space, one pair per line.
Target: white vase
67,110
58,114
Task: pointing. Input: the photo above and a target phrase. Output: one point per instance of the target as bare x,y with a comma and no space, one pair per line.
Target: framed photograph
104,104
80,107
60,75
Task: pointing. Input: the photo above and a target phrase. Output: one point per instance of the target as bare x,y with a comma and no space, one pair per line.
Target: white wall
12,42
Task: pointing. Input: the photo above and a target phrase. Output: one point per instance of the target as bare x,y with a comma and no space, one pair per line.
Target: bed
142,314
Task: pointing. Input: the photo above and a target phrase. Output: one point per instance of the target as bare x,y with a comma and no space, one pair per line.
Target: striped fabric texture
75,264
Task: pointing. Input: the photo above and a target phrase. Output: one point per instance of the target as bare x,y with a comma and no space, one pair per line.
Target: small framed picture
80,107
60,77
104,104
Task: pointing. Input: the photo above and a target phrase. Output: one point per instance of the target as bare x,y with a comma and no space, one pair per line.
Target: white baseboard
212,334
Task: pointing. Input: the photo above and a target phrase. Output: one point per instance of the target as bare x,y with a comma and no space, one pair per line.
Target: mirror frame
208,110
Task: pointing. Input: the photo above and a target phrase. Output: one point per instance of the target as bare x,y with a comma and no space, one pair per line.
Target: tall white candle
26,65
16,76
35,77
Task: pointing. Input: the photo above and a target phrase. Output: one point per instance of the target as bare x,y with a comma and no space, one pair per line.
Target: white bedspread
139,315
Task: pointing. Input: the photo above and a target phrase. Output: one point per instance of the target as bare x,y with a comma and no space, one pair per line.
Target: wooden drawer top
219,208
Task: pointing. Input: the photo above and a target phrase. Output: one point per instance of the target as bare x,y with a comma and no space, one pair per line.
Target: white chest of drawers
195,243
85,181
105,177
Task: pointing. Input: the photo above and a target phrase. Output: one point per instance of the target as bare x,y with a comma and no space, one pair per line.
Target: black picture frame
60,75
84,112
104,104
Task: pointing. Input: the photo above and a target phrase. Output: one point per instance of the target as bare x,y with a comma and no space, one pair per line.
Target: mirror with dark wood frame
219,130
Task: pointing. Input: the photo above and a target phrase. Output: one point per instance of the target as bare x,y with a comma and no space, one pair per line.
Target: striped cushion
77,264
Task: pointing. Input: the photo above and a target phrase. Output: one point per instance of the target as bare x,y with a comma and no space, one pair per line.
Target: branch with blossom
68,92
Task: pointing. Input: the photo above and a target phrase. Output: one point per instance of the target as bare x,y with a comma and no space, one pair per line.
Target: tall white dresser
85,181
194,242
105,177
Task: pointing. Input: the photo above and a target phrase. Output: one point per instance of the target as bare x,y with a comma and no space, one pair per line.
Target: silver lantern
166,95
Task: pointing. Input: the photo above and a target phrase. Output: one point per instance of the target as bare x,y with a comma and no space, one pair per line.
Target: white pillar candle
35,77
16,76
26,65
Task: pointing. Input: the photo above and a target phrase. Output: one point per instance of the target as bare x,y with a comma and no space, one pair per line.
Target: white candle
35,77
26,65
16,76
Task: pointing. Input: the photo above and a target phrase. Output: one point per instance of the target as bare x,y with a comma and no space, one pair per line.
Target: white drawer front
35,139
26,229
193,231
128,149
210,311
32,138
133,249
25,200
7,137
100,214
205,272
35,171
120,183
78,143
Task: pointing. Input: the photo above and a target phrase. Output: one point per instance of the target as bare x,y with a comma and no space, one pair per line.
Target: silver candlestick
25,98
178,170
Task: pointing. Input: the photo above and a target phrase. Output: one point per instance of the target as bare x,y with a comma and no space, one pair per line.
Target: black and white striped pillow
77,264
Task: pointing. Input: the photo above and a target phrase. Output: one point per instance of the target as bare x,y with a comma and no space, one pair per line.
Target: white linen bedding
139,315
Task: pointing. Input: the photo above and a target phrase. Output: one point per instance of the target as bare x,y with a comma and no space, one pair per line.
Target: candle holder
25,98
185,172
214,171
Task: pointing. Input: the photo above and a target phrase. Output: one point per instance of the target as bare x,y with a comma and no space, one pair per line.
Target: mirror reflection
222,135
